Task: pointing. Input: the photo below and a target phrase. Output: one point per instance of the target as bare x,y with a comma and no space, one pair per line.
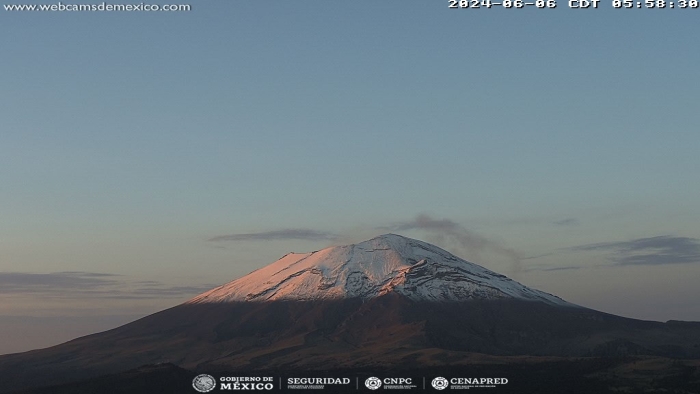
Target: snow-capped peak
388,263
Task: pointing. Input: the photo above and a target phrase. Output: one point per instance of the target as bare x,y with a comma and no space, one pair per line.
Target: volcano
389,302
383,265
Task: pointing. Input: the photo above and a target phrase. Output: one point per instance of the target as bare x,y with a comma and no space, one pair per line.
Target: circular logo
440,383
204,383
373,383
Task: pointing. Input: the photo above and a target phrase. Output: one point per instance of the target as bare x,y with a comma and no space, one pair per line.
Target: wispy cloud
661,250
567,222
90,284
20,281
447,231
175,291
276,235
555,269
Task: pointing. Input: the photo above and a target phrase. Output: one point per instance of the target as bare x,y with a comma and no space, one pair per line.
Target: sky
148,156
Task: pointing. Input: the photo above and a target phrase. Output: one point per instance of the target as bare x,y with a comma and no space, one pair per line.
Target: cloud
20,281
539,256
173,290
556,269
659,250
567,222
77,284
277,235
447,231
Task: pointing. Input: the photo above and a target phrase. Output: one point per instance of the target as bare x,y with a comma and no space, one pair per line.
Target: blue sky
129,140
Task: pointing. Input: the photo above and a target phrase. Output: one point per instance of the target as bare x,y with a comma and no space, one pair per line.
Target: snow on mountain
388,263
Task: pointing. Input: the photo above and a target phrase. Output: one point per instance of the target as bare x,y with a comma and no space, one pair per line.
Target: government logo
440,383
204,383
373,383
